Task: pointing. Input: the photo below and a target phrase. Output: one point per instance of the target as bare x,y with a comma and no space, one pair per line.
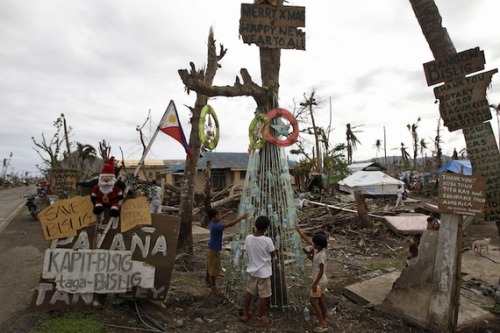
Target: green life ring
258,130
209,133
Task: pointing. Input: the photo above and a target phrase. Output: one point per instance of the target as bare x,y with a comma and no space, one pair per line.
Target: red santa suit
106,193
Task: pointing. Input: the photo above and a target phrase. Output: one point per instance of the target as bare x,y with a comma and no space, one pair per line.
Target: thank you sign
461,194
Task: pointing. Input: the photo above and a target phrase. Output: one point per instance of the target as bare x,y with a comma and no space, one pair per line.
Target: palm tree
405,156
85,152
377,146
437,144
352,141
414,137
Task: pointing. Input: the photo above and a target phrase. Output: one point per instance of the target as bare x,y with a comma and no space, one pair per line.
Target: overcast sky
106,63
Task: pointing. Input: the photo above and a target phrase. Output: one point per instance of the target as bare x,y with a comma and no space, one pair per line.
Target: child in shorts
260,250
317,295
214,264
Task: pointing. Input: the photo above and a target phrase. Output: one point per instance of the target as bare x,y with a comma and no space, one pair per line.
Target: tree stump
366,221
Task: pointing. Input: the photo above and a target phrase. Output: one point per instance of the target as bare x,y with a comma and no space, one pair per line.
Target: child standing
318,256
260,250
399,196
214,264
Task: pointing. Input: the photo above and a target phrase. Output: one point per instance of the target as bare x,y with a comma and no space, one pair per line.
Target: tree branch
191,80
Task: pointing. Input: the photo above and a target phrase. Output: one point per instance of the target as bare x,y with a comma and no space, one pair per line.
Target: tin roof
219,160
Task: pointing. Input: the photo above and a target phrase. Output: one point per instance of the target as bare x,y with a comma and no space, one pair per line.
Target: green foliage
70,322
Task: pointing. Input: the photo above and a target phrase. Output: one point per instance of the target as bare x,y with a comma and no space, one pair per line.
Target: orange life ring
292,137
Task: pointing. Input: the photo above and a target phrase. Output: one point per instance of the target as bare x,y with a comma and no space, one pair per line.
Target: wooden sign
136,264
461,194
63,218
463,103
485,159
63,180
134,212
454,66
273,26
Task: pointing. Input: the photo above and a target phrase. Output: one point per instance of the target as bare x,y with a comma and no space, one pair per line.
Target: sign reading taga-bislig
461,194
273,26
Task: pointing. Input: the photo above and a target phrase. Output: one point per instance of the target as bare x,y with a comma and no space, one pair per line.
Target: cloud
106,64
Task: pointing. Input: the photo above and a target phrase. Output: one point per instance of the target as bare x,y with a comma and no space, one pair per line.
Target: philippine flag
171,125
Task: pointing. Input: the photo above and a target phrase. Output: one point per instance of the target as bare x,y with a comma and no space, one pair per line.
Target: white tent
371,183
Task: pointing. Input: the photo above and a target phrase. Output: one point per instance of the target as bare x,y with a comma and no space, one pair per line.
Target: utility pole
6,163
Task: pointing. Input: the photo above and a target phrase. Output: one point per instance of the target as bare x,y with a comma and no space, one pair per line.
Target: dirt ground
353,255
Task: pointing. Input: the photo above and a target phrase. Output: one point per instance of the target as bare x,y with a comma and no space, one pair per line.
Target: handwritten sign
64,217
134,212
63,180
139,261
463,103
96,271
461,194
273,26
454,66
485,159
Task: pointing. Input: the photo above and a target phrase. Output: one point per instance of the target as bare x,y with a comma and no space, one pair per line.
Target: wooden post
443,305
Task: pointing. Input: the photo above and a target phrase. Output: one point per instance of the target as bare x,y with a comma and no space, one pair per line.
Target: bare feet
262,322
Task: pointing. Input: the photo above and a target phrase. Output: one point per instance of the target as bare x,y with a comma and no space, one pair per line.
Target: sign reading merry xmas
273,26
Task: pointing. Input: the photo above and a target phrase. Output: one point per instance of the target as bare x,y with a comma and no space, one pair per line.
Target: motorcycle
31,204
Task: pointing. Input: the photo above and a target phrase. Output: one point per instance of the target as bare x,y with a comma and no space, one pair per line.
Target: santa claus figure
107,192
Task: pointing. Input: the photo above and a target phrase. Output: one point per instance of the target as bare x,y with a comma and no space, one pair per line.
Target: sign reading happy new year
273,26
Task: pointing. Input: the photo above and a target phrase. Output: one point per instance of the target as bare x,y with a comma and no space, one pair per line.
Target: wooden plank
454,66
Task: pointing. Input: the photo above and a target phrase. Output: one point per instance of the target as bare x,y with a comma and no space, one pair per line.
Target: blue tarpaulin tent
456,166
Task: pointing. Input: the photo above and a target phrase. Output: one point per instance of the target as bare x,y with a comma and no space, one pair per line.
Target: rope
268,191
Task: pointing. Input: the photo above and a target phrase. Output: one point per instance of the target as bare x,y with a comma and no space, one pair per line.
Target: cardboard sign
461,194
485,159
63,218
134,212
463,103
96,271
63,180
454,66
273,26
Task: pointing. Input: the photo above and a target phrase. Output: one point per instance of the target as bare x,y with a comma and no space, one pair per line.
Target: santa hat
109,167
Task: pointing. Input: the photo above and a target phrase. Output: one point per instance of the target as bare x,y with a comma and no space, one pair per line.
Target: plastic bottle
307,315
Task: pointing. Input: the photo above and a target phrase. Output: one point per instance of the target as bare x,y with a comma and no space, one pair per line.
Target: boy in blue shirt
214,264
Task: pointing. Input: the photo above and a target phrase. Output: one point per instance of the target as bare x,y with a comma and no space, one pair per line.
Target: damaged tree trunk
208,192
185,242
366,220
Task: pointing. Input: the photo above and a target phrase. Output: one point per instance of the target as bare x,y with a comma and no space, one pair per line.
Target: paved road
21,258
12,202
